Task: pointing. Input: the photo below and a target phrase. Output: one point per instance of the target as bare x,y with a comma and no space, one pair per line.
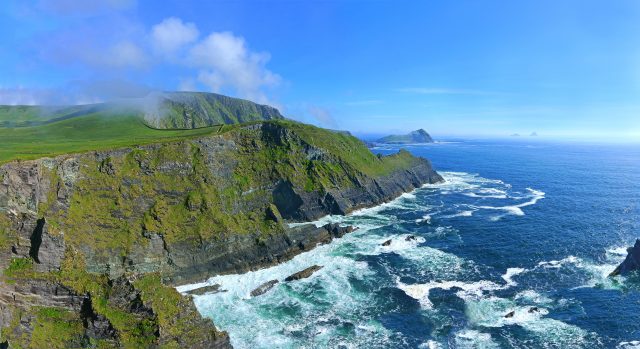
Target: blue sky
455,68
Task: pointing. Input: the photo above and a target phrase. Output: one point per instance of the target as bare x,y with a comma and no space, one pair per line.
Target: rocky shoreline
96,241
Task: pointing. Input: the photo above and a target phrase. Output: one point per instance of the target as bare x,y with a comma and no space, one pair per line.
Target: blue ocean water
512,251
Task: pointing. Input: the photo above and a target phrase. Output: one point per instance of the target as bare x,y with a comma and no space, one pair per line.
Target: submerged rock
510,314
206,290
262,289
387,243
303,274
410,238
534,310
631,263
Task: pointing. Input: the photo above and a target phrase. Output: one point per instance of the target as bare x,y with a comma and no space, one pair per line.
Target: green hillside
185,110
166,110
84,133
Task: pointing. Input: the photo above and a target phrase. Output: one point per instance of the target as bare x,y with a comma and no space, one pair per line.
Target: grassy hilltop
30,132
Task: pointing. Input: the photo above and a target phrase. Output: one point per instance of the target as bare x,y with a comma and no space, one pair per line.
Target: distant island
515,135
417,136
533,134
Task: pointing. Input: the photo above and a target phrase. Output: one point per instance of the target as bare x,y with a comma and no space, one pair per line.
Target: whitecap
465,213
426,219
629,345
618,251
499,312
474,339
516,210
510,273
420,292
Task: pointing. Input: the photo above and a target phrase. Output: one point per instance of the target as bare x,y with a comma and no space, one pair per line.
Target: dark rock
534,310
387,243
510,314
410,238
96,326
126,298
303,274
36,240
206,290
262,289
631,263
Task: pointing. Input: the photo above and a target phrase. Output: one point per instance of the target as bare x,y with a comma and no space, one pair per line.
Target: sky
455,68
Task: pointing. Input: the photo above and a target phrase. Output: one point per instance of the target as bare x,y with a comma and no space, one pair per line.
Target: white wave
420,292
430,344
492,193
499,312
292,313
560,263
597,273
466,213
398,244
425,219
532,296
474,339
618,251
517,209
629,345
510,273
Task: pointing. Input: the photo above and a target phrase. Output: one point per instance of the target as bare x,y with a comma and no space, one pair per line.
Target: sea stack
631,263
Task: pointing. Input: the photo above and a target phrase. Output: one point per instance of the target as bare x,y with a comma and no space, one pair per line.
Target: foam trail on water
517,209
332,308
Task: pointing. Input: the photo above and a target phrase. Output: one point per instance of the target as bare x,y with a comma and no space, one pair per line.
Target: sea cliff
92,243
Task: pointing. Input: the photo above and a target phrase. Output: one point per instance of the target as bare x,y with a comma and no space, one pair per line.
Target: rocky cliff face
90,244
631,263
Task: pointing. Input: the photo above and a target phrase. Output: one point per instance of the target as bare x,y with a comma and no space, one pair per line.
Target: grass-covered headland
113,212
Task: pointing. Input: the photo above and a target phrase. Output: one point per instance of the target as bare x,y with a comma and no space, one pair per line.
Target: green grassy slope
98,132
167,110
31,115
85,133
198,109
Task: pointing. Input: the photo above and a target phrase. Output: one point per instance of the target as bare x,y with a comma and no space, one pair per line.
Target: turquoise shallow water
528,228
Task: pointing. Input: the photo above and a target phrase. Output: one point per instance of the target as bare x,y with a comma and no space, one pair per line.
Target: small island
417,136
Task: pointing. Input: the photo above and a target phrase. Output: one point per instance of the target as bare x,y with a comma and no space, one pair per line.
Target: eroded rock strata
91,244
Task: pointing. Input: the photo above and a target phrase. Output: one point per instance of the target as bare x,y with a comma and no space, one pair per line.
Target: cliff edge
92,243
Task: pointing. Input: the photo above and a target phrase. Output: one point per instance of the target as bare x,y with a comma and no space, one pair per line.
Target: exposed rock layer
94,240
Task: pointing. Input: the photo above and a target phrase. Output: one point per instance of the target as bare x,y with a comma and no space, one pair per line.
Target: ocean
512,251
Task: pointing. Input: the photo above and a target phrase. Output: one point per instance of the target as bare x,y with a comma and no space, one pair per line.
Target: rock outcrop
91,244
631,263
264,288
303,274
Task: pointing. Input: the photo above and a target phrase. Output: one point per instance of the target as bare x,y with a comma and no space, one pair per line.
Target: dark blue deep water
513,251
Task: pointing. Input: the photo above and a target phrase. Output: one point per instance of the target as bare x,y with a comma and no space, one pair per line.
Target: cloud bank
103,44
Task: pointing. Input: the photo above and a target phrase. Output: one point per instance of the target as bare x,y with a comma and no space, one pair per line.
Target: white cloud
322,116
172,34
125,53
187,85
225,61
